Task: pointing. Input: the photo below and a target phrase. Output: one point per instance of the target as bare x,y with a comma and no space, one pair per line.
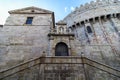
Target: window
29,20
89,30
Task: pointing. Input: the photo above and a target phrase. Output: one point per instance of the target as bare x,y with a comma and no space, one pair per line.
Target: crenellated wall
97,30
92,10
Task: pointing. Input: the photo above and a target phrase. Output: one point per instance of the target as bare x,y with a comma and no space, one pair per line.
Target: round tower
96,26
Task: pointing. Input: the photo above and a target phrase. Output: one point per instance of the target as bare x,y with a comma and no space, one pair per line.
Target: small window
29,20
89,30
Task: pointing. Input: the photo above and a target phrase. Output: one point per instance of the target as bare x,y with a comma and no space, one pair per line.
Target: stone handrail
58,60
101,66
18,68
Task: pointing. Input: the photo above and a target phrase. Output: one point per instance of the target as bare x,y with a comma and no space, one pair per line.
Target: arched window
89,30
61,49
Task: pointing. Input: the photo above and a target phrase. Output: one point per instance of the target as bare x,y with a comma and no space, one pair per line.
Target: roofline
15,11
26,13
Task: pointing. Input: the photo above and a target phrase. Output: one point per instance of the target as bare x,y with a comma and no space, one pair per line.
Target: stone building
25,33
82,46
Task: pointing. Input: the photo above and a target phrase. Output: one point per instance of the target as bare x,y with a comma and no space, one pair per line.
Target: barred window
29,20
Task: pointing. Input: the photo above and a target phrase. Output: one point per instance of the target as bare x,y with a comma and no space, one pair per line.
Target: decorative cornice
61,23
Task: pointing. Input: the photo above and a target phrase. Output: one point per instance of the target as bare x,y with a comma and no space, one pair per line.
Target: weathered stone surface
22,41
91,31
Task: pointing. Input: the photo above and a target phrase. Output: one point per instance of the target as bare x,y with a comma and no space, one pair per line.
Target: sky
61,8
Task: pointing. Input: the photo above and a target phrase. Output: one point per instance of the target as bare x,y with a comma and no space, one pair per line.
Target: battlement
1,25
96,4
93,9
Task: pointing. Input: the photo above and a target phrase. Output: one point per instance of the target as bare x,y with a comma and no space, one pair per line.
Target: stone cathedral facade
85,45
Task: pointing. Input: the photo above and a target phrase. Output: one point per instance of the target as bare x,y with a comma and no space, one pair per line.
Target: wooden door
61,49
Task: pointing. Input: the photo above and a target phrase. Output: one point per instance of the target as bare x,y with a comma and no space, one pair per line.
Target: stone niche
61,34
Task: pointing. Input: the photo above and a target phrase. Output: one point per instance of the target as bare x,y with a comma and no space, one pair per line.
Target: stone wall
20,42
20,19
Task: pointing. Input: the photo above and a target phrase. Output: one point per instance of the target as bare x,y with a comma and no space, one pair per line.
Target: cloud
72,8
66,9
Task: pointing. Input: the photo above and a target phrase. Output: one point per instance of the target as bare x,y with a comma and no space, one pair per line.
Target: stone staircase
60,68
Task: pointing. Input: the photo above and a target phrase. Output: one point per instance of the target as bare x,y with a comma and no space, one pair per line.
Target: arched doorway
61,49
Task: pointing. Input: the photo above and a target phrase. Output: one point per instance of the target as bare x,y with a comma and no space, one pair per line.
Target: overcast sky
60,7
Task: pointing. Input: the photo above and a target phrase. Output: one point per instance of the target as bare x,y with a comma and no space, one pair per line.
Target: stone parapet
97,4
92,10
